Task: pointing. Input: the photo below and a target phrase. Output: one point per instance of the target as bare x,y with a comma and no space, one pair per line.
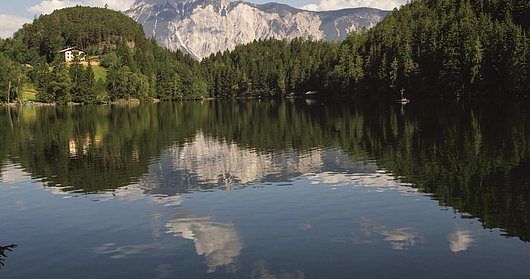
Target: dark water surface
266,189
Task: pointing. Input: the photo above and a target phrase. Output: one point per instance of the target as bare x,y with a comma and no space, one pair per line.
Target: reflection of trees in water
474,158
91,148
3,250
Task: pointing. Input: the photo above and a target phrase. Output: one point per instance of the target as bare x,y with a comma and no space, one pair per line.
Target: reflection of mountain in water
205,162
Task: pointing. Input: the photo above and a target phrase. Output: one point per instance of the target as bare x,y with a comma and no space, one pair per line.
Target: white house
72,52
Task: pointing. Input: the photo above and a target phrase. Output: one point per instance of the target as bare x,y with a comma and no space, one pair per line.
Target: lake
266,189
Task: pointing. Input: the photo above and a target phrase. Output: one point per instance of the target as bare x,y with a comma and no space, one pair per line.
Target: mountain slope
203,27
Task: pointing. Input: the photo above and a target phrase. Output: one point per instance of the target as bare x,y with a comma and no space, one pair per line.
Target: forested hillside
91,29
135,67
471,47
270,68
430,47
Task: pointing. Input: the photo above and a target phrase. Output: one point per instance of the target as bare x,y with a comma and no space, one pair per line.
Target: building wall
69,55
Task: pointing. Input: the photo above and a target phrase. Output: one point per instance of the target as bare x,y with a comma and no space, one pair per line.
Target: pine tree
89,84
76,72
60,84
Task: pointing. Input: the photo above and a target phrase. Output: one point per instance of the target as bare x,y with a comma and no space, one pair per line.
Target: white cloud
119,5
311,7
10,24
326,5
48,6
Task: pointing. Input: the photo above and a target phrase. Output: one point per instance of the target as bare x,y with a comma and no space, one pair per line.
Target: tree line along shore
468,48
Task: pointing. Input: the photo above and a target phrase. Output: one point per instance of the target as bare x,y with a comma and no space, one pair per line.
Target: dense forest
430,47
443,47
270,68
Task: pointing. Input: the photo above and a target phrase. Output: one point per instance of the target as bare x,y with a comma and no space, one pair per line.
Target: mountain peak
203,27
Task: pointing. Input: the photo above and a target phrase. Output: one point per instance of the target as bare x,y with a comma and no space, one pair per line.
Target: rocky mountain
203,27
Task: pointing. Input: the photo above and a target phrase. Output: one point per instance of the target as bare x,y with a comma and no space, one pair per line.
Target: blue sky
14,13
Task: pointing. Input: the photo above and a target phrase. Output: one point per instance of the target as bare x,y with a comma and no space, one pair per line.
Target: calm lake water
266,189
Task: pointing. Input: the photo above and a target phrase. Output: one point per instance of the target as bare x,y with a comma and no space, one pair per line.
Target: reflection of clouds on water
165,271
460,240
218,242
371,177
114,251
156,224
304,227
13,174
402,238
261,271
132,192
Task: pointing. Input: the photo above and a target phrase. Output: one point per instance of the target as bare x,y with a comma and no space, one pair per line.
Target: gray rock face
203,27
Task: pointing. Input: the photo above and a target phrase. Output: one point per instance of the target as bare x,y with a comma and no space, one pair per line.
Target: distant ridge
203,27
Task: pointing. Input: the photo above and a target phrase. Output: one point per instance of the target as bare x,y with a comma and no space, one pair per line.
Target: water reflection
13,173
206,162
401,238
218,242
218,162
261,271
460,240
82,146
451,152
366,175
114,251
472,157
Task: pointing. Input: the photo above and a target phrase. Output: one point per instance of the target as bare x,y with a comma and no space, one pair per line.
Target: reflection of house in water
78,147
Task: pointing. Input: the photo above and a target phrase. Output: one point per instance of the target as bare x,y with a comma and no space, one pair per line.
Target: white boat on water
403,100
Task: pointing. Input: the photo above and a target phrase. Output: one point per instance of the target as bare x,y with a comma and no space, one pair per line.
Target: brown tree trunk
8,91
18,86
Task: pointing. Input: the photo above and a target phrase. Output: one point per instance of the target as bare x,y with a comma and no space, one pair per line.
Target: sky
14,13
